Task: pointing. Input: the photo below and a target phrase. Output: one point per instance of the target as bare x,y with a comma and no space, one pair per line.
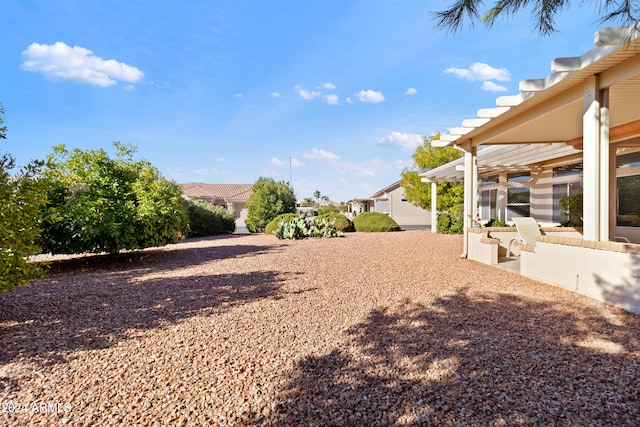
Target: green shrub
444,222
375,222
452,222
341,222
268,199
327,209
496,223
206,219
301,228
273,225
98,203
21,196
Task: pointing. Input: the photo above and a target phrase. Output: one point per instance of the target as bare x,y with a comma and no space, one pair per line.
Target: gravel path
368,329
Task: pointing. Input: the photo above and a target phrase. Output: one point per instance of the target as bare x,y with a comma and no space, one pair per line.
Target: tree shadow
153,259
101,301
472,360
625,294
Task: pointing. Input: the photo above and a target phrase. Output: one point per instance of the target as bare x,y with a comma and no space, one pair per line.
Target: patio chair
528,230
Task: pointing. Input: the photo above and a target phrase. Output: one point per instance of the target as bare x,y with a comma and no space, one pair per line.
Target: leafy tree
268,200
425,158
101,204
544,12
20,199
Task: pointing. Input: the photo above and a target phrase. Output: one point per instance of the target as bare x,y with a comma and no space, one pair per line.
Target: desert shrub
301,228
206,219
341,222
496,223
444,222
268,199
452,222
328,209
101,203
375,222
21,196
273,225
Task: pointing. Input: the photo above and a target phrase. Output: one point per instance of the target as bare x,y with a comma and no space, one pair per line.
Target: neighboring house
577,130
231,196
392,201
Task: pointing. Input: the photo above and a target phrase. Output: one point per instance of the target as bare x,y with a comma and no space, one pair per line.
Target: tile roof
227,192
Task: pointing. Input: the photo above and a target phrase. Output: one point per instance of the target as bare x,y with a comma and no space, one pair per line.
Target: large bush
206,219
340,222
452,222
101,204
273,225
268,200
20,199
375,222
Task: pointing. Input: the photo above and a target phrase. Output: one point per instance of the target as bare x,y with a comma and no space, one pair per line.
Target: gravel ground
368,329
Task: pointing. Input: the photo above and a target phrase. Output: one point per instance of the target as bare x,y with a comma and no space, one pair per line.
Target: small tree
20,199
268,200
103,204
425,158
572,210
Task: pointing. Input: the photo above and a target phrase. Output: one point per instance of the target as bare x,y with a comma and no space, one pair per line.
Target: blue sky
228,91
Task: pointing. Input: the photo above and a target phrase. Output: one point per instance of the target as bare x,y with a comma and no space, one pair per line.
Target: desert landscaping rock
382,329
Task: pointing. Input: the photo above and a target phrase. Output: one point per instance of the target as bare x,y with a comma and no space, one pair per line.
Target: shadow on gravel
152,260
466,360
105,300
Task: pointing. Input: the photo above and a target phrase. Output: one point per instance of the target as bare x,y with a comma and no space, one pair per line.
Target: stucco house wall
392,201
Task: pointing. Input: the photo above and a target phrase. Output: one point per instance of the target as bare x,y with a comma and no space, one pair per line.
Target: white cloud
411,91
359,170
493,87
276,162
210,171
282,163
364,186
406,141
221,159
305,94
332,99
317,153
370,96
348,100
239,95
328,86
61,62
275,94
480,71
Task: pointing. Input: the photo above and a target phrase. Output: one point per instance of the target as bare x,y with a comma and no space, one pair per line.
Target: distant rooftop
222,192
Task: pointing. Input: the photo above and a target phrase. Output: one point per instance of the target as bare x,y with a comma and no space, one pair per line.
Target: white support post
591,138
470,192
595,125
613,208
434,206
604,148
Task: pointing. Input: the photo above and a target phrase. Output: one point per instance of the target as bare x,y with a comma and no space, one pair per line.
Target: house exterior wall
405,212
607,275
